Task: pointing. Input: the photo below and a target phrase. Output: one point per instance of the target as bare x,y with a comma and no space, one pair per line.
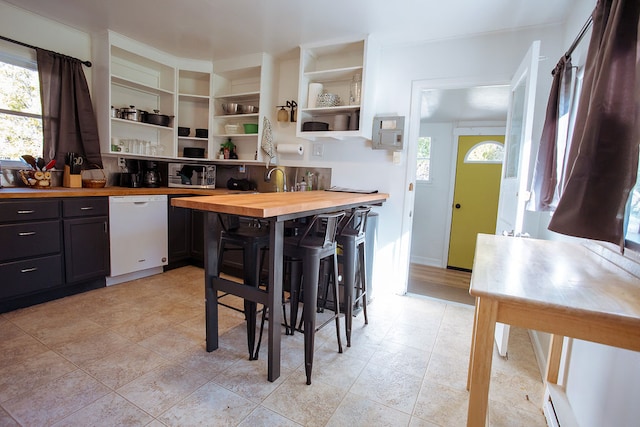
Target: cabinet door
179,233
86,245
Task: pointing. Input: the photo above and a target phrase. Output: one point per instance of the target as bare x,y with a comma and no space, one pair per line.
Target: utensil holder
70,180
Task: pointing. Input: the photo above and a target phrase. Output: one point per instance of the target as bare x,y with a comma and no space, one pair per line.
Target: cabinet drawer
23,277
29,210
85,206
29,239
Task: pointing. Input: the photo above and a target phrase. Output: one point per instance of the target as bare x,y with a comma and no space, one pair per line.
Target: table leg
211,236
276,265
553,360
482,354
473,343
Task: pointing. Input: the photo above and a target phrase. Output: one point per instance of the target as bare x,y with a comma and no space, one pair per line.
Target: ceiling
484,103
218,29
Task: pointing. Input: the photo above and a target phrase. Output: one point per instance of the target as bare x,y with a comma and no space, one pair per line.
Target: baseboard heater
556,408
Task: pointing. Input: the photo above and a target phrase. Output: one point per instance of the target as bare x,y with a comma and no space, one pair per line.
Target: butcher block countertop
267,205
29,193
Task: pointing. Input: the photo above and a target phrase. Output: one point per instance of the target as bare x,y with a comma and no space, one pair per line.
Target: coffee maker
133,176
151,175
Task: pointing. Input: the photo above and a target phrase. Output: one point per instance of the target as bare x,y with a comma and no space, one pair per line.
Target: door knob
457,205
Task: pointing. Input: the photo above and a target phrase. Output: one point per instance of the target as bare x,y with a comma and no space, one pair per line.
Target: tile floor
134,355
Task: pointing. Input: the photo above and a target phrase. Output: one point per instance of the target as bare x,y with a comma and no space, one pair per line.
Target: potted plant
227,147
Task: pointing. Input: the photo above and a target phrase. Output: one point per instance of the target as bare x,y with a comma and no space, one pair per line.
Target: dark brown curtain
68,121
545,178
604,151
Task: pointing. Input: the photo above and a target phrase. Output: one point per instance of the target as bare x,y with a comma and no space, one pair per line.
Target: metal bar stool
351,241
253,240
316,244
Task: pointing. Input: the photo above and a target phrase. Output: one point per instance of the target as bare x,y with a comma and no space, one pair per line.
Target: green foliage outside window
423,159
20,112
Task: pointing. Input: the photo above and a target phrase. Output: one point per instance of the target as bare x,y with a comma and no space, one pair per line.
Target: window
20,106
633,210
566,124
423,169
485,152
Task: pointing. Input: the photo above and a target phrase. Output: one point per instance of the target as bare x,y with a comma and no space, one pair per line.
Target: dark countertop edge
29,193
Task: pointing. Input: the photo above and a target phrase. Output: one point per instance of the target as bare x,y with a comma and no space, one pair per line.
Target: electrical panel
388,133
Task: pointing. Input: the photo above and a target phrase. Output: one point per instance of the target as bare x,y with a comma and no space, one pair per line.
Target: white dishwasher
138,236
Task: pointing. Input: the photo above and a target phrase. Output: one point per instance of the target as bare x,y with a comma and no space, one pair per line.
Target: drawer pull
30,211
87,208
28,270
27,233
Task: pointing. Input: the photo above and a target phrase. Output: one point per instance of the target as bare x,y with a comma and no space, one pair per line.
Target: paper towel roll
290,149
315,89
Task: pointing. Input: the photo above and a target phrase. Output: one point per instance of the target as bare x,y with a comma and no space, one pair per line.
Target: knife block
69,180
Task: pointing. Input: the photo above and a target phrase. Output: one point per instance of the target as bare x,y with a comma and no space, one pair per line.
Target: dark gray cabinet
51,248
86,238
179,233
30,254
186,236
197,236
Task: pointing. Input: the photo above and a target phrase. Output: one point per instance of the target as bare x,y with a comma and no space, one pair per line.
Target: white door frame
417,87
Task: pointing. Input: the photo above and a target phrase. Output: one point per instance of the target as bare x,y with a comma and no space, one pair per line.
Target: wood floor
442,283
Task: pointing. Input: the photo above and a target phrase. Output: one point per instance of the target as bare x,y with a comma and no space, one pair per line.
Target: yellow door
475,198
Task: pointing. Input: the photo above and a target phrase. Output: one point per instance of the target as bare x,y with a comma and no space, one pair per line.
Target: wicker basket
36,179
90,180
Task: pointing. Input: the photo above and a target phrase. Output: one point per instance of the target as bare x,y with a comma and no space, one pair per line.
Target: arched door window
485,152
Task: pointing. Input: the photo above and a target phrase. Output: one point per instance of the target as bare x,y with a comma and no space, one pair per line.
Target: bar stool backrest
323,228
356,222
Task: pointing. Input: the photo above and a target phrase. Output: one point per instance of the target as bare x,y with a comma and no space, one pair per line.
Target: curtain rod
579,37
87,63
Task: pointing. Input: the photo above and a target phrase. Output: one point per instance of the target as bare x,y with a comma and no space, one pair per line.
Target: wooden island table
276,208
565,289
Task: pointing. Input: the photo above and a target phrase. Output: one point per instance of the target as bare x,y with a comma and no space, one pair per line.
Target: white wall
35,30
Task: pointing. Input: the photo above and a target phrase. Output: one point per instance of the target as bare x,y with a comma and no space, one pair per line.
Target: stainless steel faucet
284,178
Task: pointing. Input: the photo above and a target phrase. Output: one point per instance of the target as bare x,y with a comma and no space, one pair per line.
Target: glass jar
355,89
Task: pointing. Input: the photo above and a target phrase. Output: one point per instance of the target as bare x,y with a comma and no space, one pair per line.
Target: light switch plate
318,150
